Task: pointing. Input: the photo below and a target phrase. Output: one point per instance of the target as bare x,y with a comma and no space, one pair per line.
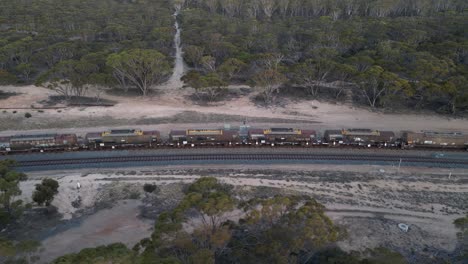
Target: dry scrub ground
369,201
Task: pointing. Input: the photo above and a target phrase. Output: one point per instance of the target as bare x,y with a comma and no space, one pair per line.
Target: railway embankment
217,156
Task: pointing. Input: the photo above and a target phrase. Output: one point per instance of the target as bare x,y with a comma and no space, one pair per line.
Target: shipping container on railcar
434,139
282,136
122,138
43,142
360,137
204,137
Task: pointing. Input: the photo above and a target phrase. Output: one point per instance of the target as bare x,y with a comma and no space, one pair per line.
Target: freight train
244,136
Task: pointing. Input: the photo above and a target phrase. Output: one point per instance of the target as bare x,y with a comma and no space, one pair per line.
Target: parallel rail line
243,156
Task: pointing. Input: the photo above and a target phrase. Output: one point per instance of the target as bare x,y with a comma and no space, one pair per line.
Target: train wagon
121,138
4,145
360,137
432,139
282,136
43,142
204,137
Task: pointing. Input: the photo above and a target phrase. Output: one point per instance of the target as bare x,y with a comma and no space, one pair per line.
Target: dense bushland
71,40
389,53
381,53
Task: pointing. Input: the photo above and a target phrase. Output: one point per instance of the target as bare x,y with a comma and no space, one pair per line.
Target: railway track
246,157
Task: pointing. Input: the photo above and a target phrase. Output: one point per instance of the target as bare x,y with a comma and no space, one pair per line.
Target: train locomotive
122,138
227,137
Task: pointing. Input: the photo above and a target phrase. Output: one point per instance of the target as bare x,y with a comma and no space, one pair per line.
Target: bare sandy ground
170,103
369,201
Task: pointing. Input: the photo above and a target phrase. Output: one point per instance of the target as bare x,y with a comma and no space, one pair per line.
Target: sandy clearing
168,103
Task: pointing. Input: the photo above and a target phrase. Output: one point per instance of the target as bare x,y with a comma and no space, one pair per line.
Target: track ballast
255,157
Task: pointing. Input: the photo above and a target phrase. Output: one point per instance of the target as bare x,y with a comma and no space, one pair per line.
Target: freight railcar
43,142
122,138
204,137
432,139
282,136
360,137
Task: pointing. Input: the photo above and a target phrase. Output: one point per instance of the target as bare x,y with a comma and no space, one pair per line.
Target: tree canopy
45,191
141,67
11,207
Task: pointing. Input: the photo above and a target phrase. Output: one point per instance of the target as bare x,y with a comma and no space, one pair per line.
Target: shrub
27,115
149,188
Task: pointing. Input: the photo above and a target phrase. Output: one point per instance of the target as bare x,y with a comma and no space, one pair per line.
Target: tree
462,225
333,256
7,78
209,86
62,87
375,83
25,69
268,82
343,73
28,248
456,89
313,74
19,251
116,253
98,83
208,63
11,208
211,200
383,255
193,55
45,191
230,68
203,256
150,188
283,229
143,68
